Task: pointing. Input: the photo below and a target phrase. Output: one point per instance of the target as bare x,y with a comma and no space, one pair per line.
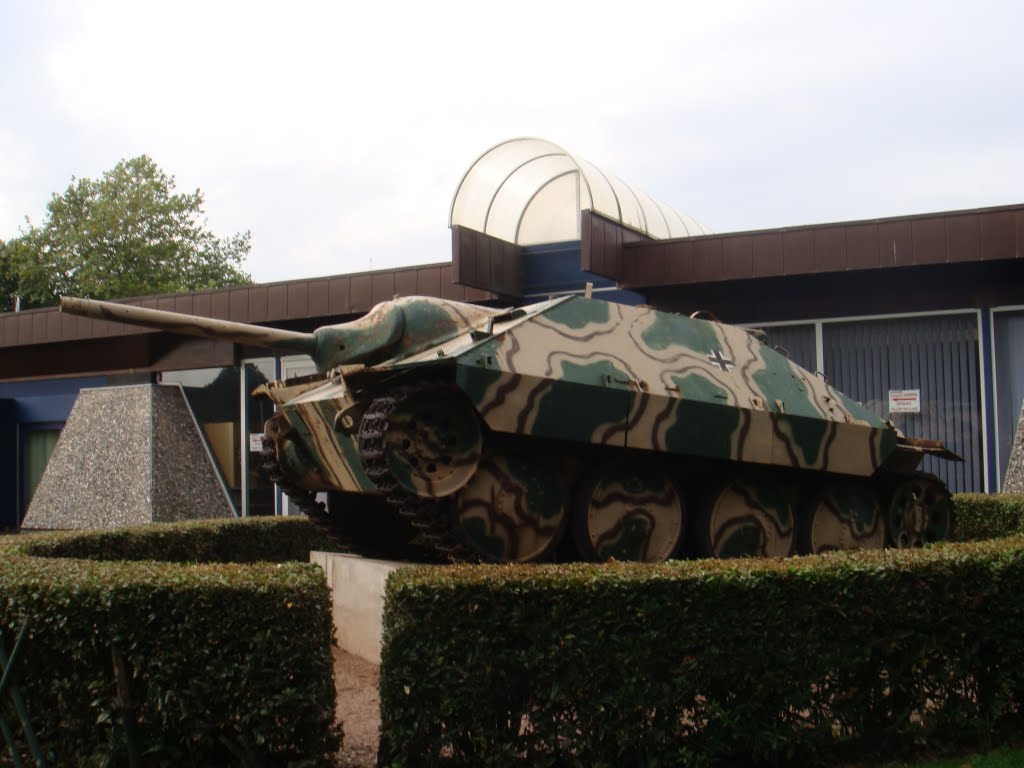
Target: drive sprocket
431,517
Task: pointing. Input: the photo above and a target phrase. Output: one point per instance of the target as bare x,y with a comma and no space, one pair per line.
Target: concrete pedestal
357,593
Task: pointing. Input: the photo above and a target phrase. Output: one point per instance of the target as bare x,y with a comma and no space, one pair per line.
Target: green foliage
8,279
840,657
249,540
128,234
1000,758
982,516
229,662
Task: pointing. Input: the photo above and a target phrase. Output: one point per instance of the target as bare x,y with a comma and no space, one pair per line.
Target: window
39,442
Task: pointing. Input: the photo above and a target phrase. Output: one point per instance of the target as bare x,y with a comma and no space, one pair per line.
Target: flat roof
321,297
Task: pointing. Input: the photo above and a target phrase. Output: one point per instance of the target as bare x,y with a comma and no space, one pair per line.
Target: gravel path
358,709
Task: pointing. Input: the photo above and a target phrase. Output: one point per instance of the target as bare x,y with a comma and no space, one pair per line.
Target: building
919,317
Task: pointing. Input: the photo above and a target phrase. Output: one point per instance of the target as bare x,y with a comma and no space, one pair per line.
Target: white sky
337,132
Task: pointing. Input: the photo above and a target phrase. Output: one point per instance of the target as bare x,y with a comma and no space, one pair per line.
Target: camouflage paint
513,509
577,315
371,336
581,399
704,430
587,371
844,515
429,322
749,517
433,442
920,512
312,409
629,510
691,387
668,331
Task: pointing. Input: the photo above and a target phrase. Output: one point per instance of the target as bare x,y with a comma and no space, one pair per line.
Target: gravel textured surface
1014,482
126,456
358,709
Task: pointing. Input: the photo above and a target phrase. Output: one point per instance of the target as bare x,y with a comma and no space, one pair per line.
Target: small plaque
904,401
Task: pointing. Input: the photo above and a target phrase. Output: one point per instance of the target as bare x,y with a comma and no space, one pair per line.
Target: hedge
247,540
815,660
988,516
227,663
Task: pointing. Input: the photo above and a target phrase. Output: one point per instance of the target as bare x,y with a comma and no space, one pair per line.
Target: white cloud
337,132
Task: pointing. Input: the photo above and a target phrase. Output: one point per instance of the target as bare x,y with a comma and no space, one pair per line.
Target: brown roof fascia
979,234
486,262
332,296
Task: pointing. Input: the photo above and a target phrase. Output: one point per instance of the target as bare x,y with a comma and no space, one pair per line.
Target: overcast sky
337,132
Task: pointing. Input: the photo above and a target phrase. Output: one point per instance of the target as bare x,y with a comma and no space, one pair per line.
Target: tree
128,234
8,280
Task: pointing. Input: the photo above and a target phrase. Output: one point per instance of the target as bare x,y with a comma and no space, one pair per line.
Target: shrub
982,516
761,662
227,663
248,540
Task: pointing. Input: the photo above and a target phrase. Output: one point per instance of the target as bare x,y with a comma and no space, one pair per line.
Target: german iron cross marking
722,362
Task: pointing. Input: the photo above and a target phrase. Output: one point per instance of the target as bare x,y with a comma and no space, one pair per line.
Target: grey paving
128,455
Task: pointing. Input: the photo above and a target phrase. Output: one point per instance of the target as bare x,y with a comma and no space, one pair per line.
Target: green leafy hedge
228,662
840,657
982,516
248,540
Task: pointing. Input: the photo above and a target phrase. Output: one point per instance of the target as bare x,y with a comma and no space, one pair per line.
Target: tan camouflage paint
748,517
571,368
514,508
629,511
647,392
845,515
433,442
920,512
317,410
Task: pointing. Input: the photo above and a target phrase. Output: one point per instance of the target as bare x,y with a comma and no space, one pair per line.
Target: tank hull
591,372
581,428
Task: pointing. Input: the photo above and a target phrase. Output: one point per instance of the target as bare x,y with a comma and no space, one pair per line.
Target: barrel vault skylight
529,192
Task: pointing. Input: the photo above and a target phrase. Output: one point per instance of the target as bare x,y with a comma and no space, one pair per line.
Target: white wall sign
904,401
255,442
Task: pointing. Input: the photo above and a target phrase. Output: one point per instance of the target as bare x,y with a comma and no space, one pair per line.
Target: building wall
30,405
8,466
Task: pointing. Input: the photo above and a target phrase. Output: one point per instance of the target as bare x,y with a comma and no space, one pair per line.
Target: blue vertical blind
1008,330
936,355
796,342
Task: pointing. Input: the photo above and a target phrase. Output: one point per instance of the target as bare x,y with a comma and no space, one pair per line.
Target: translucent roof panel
530,191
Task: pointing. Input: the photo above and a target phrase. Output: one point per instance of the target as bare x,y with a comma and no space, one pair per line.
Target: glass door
292,368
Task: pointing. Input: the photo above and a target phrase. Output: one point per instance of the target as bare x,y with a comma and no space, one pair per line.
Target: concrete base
357,593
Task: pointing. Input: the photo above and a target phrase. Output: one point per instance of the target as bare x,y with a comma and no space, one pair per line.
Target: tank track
305,500
430,517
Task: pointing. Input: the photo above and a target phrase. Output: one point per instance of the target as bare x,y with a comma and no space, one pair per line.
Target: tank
576,428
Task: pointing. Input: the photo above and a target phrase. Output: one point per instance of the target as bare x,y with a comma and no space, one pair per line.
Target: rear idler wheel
513,509
844,514
920,512
747,516
628,510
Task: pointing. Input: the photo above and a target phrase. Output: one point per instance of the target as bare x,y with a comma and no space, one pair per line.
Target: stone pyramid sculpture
1014,481
128,455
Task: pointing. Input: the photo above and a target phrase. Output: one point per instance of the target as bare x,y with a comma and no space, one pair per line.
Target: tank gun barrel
177,322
